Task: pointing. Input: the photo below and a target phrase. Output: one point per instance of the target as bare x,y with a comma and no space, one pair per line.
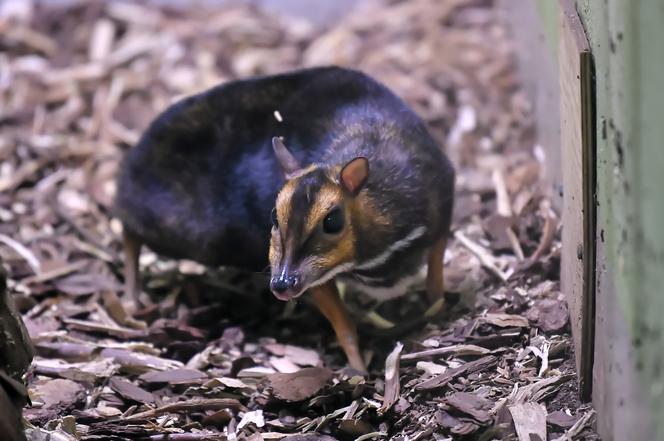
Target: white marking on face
344,267
387,292
396,246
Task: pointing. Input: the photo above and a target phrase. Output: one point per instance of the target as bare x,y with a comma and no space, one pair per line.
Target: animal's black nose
279,285
284,283
294,282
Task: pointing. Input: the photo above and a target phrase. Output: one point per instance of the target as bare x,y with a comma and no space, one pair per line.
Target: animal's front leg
435,285
327,300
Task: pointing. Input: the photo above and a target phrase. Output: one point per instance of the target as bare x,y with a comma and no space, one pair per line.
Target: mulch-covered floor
217,356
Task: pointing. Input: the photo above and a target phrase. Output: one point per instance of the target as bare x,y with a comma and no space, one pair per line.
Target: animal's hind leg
435,285
132,250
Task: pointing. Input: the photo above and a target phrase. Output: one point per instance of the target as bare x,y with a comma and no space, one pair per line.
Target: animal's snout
286,286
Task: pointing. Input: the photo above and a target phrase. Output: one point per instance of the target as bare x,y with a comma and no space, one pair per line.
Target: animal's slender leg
435,285
132,250
327,300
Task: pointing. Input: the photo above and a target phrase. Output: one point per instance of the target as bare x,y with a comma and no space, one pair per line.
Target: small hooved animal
363,192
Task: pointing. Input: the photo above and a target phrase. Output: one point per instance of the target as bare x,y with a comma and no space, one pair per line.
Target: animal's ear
354,174
287,161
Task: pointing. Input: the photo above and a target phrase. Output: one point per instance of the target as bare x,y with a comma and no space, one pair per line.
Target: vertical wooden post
577,133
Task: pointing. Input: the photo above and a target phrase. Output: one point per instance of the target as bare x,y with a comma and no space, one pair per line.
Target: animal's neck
369,222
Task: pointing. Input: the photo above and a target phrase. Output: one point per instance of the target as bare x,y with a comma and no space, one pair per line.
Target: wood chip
506,320
456,350
59,391
391,378
465,369
476,407
299,386
549,315
130,391
188,406
577,428
139,363
114,330
174,376
529,421
561,420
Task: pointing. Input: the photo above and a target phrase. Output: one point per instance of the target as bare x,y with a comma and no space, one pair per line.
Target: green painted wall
627,39
548,11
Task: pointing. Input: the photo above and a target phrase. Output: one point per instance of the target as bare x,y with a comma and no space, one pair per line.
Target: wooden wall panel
577,144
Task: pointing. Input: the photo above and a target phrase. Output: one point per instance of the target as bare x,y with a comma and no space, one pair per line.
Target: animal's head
313,237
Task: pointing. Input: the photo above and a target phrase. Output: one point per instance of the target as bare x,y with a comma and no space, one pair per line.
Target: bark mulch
216,356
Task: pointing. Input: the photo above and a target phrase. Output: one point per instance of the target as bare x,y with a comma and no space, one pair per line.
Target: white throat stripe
330,274
396,246
388,292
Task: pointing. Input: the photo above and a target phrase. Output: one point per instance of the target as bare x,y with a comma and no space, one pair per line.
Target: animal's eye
334,221
273,215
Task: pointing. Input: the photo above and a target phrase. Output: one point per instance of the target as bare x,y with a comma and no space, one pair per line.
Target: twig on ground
548,233
481,253
22,251
188,406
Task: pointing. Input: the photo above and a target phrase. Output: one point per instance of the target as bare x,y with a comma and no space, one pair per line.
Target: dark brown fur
203,179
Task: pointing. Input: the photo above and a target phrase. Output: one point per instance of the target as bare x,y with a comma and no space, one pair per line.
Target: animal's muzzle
286,286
